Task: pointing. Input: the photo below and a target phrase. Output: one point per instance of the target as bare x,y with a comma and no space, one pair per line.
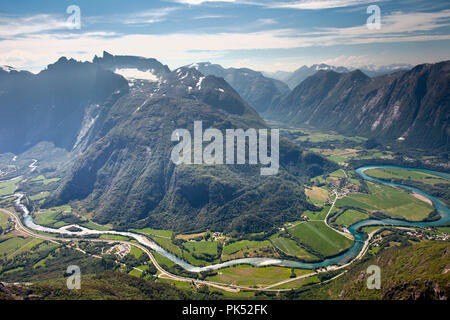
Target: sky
267,35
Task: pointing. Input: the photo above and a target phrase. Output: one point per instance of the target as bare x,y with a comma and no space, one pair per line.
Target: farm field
94,226
321,238
391,173
39,196
114,237
3,219
43,180
245,247
245,275
298,283
154,232
11,243
317,194
392,201
136,252
201,247
291,248
8,187
318,215
323,137
167,244
350,217
47,218
163,260
190,236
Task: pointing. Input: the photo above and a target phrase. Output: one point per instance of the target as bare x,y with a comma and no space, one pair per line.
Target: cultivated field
318,236
392,201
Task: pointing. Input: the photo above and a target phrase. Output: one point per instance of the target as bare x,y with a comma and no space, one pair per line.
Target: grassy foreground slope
107,285
419,271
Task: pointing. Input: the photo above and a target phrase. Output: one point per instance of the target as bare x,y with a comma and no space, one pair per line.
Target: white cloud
198,2
11,26
140,17
320,4
37,50
209,16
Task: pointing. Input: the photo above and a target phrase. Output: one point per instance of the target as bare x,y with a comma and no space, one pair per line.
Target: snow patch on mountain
136,74
7,68
199,83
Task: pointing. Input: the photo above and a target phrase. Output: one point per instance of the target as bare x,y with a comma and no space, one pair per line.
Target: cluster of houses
121,250
428,236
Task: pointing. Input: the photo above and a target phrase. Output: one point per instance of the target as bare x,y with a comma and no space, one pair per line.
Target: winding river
341,259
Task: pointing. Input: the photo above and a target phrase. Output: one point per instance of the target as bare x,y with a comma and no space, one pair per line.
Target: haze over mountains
293,79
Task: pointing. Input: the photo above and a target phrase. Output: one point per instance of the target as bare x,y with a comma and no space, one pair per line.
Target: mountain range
293,79
118,132
52,105
115,116
409,107
258,91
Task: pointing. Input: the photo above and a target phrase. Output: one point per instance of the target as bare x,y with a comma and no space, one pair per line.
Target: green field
337,159
318,236
95,226
168,245
135,251
47,217
317,194
395,202
3,219
391,173
244,275
154,232
298,283
39,196
338,174
163,260
11,244
44,180
291,248
200,247
323,137
350,217
237,246
318,215
114,237
8,187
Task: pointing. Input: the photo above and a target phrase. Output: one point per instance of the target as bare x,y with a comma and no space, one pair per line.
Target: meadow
350,217
8,187
245,275
394,202
392,173
321,238
290,247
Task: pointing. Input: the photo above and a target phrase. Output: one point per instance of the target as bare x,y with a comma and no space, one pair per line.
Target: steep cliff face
52,105
125,176
410,107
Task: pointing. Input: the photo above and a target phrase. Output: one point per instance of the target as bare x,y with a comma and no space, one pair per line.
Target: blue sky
265,35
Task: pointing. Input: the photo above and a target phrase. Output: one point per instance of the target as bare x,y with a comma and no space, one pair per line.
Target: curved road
163,273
